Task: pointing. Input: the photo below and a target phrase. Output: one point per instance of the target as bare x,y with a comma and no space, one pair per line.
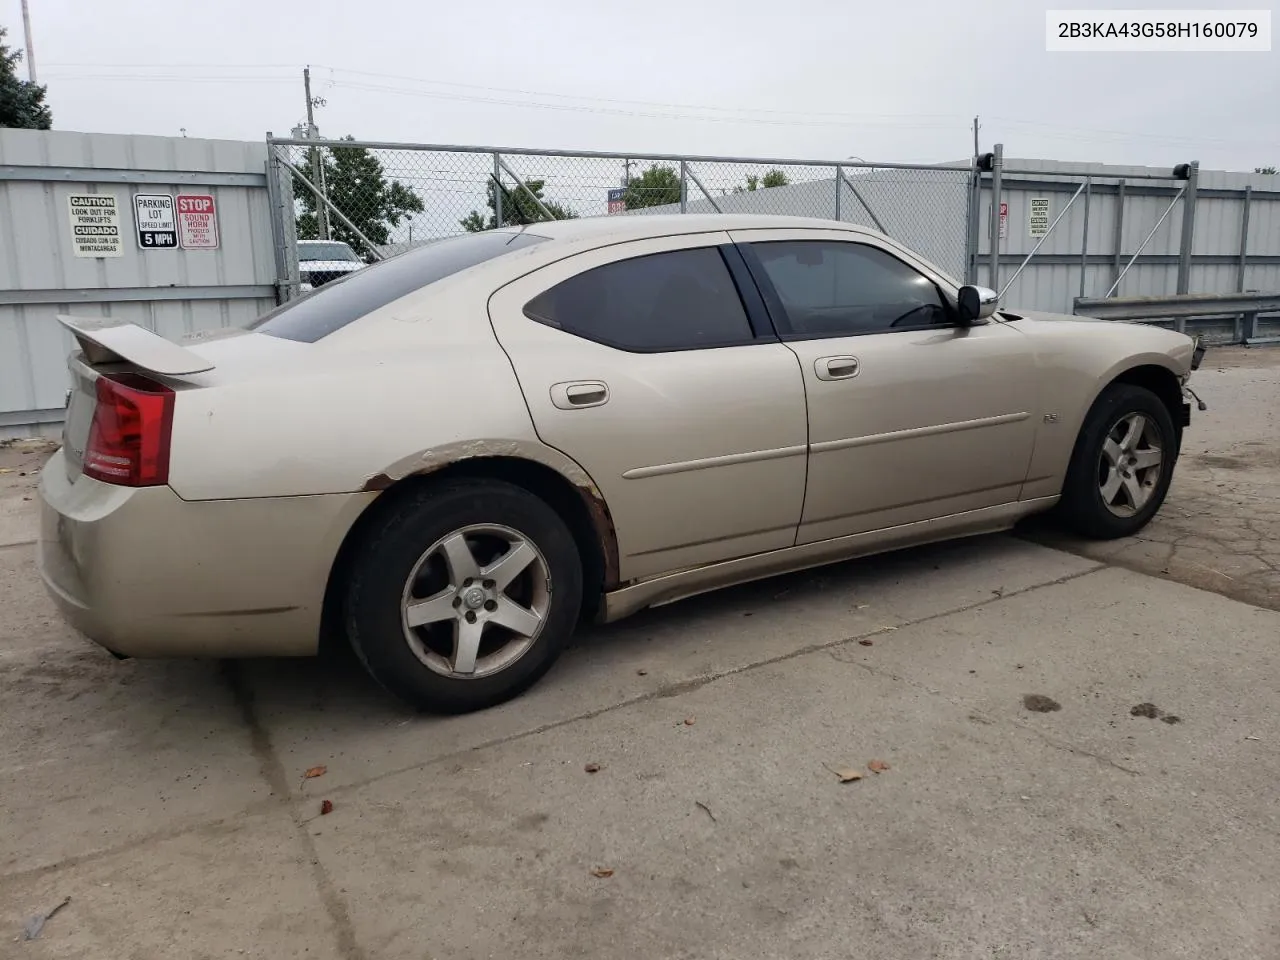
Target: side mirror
976,305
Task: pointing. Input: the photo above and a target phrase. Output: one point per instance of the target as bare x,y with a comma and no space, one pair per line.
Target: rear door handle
836,368
579,393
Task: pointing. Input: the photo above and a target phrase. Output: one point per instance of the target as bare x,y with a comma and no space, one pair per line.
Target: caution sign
95,225
1038,217
153,214
197,222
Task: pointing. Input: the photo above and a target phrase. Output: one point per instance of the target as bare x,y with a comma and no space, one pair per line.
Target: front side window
680,300
832,288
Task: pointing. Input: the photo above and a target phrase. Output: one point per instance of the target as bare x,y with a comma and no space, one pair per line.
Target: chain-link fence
384,198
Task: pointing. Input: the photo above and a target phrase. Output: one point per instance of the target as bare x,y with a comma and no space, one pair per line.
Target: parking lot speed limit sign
153,215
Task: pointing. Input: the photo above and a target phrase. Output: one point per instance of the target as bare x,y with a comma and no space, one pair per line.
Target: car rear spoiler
107,340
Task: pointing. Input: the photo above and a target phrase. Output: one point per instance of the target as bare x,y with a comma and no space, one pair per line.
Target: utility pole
317,168
31,53
626,173
975,136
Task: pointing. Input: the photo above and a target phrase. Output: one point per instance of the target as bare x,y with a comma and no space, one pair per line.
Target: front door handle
579,393
836,368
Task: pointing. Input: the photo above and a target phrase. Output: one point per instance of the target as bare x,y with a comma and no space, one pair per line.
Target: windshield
322,250
338,303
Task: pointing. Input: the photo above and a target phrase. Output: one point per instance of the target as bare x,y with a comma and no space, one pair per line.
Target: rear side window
682,300
338,303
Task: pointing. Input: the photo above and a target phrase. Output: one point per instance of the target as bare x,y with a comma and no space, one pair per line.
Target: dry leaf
602,872
865,643
6,469
877,766
688,721
592,768
314,772
846,774
326,807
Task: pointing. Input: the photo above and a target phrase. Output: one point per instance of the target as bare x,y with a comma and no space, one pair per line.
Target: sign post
153,214
197,222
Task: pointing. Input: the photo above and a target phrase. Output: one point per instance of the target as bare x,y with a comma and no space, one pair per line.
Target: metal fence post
684,186
284,225
1188,227
1244,240
1117,235
997,169
497,189
1084,234
839,176
973,241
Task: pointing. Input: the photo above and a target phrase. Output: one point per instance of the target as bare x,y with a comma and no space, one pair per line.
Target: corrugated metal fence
69,243
1234,243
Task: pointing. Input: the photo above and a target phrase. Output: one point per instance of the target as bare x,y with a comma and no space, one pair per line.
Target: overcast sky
825,79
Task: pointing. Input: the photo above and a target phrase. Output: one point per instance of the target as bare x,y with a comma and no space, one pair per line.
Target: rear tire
434,615
1121,466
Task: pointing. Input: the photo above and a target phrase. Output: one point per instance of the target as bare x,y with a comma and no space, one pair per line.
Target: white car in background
320,261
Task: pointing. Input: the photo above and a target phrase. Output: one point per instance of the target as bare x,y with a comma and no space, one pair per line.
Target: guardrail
1245,308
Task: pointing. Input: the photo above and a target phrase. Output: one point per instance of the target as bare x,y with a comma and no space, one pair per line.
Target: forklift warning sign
197,222
95,225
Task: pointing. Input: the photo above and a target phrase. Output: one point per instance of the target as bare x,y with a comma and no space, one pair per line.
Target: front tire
1121,466
463,595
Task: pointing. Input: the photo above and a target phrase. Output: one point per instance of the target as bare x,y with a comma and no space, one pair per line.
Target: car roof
639,225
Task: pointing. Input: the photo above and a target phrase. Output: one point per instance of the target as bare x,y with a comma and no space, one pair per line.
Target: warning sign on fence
95,225
197,222
1038,217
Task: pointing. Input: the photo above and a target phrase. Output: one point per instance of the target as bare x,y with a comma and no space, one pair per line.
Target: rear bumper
145,573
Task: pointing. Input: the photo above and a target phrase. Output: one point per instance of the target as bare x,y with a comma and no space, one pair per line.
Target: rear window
338,303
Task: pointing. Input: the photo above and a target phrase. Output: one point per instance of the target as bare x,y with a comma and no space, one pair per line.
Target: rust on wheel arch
452,455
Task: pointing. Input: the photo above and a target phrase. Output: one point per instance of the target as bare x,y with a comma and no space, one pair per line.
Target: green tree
21,103
1270,170
656,186
356,184
773,178
517,207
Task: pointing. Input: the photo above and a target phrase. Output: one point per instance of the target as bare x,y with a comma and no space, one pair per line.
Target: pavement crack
1078,751
273,772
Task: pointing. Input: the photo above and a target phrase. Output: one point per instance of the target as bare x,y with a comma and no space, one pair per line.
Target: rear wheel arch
582,509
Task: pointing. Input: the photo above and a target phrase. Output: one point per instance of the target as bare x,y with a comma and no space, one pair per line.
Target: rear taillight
129,437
